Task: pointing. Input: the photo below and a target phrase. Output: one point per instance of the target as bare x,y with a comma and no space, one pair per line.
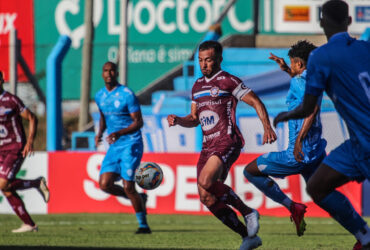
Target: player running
14,147
120,114
341,68
306,148
214,100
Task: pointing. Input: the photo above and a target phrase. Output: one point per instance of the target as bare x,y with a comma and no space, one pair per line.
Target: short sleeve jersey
313,145
342,68
116,106
216,99
12,136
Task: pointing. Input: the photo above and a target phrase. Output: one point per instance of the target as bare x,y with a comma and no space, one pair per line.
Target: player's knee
207,200
129,189
104,184
4,185
312,190
205,183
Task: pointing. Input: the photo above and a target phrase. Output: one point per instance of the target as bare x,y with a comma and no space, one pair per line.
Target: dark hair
336,10
216,46
112,63
1,73
302,50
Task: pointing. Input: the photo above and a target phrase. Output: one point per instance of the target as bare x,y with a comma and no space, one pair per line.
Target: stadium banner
20,17
33,167
161,35
303,16
73,180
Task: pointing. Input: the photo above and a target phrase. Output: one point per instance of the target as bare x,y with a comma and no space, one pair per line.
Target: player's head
210,57
334,17
1,77
298,55
110,73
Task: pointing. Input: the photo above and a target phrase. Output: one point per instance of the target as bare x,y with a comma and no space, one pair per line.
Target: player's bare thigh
211,172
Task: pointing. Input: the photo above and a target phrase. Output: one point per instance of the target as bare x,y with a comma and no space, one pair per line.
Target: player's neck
110,86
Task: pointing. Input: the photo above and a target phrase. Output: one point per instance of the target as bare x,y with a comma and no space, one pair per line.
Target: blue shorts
347,160
280,164
123,160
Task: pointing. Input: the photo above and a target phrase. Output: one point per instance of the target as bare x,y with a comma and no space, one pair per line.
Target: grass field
116,231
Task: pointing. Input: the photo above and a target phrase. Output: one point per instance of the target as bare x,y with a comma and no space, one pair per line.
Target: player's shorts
10,163
123,160
228,155
280,164
350,161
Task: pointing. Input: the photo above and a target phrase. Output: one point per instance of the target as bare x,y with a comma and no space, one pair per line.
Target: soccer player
120,114
341,68
306,148
214,100
14,147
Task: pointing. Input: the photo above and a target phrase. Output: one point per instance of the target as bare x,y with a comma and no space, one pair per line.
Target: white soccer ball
148,175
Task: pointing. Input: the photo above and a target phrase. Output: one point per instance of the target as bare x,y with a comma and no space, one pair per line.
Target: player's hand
28,150
298,153
113,137
269,136
282,64
171,120
281,117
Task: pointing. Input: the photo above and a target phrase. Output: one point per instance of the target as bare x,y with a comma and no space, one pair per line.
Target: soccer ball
148,175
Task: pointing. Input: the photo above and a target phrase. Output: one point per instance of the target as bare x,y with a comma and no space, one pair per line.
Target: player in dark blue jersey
306,148
120,114
341,68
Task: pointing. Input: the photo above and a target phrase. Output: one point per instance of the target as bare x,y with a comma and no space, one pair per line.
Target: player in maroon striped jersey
214,100
14,147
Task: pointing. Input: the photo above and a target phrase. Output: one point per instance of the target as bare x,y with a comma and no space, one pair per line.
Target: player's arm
32,128
188,121
137,123
102,127
305,109
307,123
253,100
282,64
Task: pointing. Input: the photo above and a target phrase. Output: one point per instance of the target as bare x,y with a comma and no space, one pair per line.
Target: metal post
13,61
123,44
86,66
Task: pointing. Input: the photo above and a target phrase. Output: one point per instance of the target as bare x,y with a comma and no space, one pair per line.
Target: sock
340,208
18,206
19,184
269,187
226,194
363,235
228,217
141,219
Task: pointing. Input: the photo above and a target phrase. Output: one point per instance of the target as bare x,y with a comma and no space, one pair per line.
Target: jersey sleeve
19,105
240,89
318,72
133,104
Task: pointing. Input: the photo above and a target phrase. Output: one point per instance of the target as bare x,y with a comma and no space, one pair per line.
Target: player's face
109,73
296,66
209,63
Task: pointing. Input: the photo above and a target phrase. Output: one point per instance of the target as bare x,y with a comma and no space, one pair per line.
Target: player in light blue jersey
120,114
306,148
341,68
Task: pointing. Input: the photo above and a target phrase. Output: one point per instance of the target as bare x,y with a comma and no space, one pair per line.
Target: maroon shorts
10,163
228,155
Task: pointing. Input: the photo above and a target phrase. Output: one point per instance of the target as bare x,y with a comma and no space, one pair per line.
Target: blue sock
341,209
141,219
269,188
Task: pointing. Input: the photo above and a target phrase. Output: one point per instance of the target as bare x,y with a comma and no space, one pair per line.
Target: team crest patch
214,91
116,104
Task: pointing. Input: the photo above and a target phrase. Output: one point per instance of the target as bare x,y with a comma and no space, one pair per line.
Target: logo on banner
363,14
296,13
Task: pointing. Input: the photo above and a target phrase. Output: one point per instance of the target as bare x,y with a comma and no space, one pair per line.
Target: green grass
116,231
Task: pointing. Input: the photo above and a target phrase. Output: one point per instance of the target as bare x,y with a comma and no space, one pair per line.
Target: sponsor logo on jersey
5,111
211,136
208,119
206,86
3,131
220,78
209,103
214,91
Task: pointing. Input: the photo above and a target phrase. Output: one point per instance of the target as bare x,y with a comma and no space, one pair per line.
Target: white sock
363,235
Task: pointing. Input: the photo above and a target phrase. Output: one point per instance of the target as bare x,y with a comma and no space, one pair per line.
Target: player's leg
39,183
210,178
276,164
130,160
336,170
10,166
